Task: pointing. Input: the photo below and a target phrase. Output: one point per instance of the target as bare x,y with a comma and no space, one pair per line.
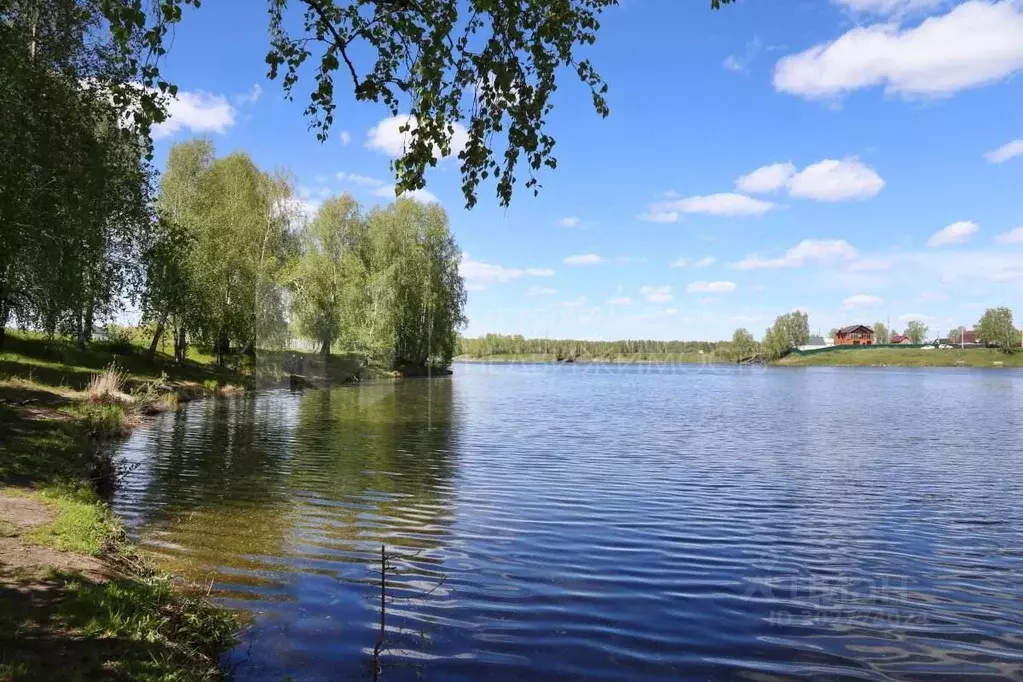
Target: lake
589,522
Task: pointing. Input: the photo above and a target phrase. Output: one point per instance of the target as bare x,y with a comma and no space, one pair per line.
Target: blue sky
858,159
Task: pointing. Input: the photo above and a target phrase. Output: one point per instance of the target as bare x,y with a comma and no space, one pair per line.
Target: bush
119,340
101,420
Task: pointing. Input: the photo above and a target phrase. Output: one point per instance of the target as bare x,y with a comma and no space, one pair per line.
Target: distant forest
570,349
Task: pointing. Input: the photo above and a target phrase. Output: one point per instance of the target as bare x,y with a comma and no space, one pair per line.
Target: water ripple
598,523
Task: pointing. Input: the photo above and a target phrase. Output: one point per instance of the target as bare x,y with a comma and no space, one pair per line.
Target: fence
831,349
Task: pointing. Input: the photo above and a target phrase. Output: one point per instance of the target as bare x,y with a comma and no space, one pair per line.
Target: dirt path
21,559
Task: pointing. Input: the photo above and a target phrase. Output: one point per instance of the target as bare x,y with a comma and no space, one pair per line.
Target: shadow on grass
65,626
61,363
41,448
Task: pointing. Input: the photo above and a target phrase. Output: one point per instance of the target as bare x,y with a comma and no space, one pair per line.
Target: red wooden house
855,335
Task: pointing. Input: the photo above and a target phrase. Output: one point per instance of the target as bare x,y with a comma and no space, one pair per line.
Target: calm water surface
597,523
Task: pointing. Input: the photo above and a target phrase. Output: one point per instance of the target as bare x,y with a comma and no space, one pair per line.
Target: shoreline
989,358
109,608
69,577
534,360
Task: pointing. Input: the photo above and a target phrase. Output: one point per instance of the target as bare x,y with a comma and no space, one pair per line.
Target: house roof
899,338
855,328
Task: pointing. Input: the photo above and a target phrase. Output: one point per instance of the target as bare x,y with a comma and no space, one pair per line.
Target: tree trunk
5,313
180,343
223,347
80,331
89,320
160,327
325,348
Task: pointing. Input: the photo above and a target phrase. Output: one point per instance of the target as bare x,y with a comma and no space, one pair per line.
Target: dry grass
108,386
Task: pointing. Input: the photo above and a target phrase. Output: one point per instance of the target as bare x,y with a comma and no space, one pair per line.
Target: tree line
571,349
75,186
236,264
788,331
221,255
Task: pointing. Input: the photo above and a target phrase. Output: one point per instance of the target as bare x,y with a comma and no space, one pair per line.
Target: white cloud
1011,237
480,274
827,180
817,250
956,233
1007,151
766,178
387,137
569,221
739,63
711,287
723,204
656,294
704,262
359,180
423,196
385,190
345,138
833,180
541,291
977,43
585,259
660,216
478,271
678,263
251,97
732,63
890,7
860,301
620,300
197,112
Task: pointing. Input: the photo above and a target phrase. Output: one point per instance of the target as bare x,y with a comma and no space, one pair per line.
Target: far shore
904,357
836,357
637,359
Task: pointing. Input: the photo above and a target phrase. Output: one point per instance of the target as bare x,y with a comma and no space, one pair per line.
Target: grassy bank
694,358
77,601
905,357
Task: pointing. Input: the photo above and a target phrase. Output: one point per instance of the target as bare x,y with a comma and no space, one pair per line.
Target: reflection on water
605,523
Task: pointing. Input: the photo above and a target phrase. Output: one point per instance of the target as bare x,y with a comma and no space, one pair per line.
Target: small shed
855,335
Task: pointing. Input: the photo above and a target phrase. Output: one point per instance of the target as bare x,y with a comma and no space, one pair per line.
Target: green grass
137,628
906,357
103,420
59,624
83,525
60,364
134,625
